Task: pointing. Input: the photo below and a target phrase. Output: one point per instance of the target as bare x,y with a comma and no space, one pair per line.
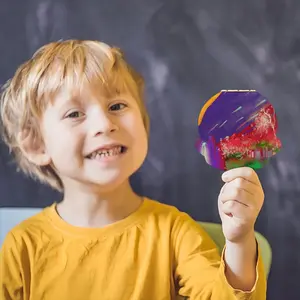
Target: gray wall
187,51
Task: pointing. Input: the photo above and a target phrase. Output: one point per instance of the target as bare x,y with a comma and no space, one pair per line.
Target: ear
33,148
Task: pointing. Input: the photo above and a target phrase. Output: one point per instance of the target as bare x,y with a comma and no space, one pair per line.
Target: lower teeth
107,154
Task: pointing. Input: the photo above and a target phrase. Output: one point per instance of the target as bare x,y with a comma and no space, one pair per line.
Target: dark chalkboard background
187,51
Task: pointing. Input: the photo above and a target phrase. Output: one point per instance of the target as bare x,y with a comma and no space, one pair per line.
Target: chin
107,187
109,182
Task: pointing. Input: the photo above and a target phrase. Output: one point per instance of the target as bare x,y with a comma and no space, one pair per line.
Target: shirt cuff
258,290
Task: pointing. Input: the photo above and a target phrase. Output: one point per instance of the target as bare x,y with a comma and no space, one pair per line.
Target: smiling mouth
111,152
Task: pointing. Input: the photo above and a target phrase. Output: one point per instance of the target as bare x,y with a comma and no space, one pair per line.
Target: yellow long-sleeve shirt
153,254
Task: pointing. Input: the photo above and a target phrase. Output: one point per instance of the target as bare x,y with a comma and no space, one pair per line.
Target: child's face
74,128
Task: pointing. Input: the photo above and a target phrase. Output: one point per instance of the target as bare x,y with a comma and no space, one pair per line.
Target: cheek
54,145
135,126
59,142
141,139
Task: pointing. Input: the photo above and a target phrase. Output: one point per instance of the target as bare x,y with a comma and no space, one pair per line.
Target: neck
93,208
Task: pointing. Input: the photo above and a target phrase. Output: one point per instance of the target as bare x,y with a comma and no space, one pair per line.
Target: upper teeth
107,152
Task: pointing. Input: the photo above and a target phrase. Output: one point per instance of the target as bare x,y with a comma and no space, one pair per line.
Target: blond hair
55,66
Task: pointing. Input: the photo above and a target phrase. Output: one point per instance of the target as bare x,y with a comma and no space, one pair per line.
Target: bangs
71,66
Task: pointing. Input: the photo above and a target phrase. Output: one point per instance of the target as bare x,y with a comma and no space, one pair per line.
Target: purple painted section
222,110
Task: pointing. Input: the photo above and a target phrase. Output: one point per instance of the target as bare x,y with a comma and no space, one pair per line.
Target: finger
244,172
237,210
254,203
238,195
223,188
242,183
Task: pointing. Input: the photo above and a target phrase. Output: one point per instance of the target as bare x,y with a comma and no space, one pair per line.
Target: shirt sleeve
200,270
13,265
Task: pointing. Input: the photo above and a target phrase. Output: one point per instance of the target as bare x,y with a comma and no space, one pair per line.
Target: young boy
74,117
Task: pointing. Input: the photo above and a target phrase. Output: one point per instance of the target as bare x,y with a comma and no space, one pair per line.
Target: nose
101,122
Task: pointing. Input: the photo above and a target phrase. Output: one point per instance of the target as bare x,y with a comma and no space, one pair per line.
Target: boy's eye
117,106
75,114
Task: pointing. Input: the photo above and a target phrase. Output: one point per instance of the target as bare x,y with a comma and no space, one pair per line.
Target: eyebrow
62,102
122,96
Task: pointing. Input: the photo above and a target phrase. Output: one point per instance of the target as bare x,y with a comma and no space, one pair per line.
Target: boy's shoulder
28,227
161,208
171,219
166,211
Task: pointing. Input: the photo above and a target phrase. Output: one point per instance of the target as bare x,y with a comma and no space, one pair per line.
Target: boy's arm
200,272
11,269
240,258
